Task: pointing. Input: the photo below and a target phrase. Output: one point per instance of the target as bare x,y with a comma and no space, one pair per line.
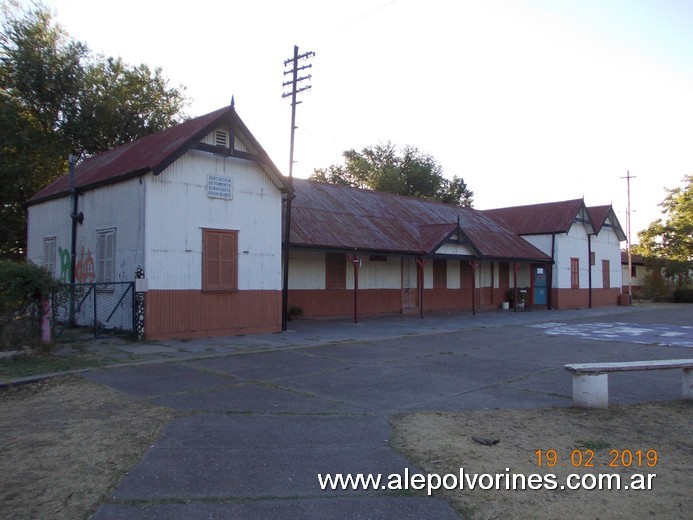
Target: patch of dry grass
441,442
66,443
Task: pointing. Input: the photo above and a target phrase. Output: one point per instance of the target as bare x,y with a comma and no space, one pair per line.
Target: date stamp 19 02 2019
585,458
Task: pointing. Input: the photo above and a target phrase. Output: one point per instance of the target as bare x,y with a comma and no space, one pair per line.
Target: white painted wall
453,274
117,206
49,219
306,270
178,208
541,242
376,274
455,249
571,245
121,207
607,246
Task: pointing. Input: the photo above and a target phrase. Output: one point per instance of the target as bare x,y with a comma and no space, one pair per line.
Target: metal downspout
589,268
553,263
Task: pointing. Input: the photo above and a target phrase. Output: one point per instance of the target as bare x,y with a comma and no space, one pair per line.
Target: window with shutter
466,274
606,274
335,271
105,256
574,273
48,261
219,260
440,273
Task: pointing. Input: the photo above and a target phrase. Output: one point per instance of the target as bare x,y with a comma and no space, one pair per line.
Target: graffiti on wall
84,268
64,264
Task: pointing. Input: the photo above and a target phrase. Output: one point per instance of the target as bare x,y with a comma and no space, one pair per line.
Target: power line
295,89
628,177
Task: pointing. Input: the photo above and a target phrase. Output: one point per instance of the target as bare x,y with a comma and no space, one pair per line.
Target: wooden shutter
606,274
335,271
105,253
49,255
466,274
574,273
219,260
440,273
503,275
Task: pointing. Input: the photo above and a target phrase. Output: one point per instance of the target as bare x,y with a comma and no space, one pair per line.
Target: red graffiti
84,268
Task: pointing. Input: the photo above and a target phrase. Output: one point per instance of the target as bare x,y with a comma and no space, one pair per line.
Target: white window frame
49,252
105,255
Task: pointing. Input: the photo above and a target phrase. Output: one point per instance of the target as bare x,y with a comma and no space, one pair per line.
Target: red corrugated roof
328,216
153,153
538,219
600,214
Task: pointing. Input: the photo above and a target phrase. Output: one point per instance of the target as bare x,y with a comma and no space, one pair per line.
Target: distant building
409,254
583,244
636,276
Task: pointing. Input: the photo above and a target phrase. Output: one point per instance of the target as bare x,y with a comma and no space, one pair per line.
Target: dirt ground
66,443
442,443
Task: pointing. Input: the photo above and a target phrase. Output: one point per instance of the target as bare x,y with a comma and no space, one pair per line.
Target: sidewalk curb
240,350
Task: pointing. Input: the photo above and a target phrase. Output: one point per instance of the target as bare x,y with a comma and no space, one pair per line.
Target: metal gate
91,309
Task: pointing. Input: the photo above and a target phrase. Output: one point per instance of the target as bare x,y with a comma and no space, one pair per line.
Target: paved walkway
306,333
256,428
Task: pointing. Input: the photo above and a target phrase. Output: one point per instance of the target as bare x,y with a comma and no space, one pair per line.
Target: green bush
683,295
655,288
22,287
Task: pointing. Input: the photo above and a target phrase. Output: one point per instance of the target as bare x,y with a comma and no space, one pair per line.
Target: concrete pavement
257,427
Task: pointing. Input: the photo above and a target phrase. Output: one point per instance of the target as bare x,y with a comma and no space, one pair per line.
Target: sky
529,101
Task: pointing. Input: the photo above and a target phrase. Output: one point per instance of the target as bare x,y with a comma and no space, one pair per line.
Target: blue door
539,285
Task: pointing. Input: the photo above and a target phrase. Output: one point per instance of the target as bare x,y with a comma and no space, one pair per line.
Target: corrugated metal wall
178,208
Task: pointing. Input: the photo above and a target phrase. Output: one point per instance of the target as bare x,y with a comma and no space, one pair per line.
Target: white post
688,384
46,336
591,390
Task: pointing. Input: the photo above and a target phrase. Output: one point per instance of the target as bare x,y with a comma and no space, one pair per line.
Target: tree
56,98
672,238
668,243
409,172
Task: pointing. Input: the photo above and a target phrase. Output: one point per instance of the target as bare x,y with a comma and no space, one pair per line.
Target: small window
48,260
574,273
440,273
221,138
219,260
633,270
335,271
105,259
593,258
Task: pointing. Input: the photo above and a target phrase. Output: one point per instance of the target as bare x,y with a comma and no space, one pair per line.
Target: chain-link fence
104,309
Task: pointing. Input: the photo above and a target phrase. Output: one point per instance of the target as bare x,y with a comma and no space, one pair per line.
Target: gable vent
221,138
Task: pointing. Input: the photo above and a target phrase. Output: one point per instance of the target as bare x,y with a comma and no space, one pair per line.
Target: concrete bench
591,380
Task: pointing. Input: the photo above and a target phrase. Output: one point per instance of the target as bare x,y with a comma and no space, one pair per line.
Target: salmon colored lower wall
580,298
604,297
194,314
448,299
570,298
318,303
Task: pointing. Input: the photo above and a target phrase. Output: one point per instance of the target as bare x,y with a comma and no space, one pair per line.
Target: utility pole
628,177
293,70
